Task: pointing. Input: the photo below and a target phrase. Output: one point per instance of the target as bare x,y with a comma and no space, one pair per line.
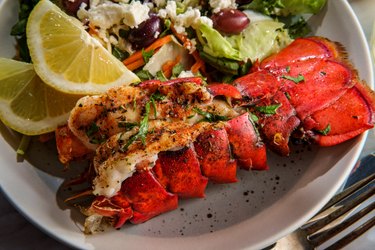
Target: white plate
253,213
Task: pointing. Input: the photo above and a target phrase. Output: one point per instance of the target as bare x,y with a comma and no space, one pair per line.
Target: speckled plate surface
253,213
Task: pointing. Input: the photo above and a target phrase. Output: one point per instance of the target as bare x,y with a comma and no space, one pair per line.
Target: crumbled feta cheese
218,5
106,15
186,73
205,20
113,40
135,13
190,18
82,13
169,10
192,47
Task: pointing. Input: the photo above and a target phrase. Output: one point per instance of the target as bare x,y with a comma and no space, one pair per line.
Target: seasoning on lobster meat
158,141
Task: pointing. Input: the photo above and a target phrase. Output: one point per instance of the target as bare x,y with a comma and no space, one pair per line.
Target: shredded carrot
92,30
137,56
199,64
136,64
167,67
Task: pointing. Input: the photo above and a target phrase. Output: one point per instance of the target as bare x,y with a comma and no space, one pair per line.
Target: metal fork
322,226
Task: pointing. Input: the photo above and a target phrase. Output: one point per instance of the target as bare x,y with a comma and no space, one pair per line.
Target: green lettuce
215,44
286,7
259,40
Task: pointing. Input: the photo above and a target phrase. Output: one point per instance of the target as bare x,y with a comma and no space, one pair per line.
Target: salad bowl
253,213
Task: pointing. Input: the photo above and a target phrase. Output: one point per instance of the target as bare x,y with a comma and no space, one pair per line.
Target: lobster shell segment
246,145
324,81
147,196
214,155
257,86
141,197
179,171
346,118
276,129
303,49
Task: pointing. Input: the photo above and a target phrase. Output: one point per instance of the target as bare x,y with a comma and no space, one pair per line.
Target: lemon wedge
27,105
67,58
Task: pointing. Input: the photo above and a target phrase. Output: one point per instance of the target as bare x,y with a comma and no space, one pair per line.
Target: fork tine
348,191
353,235
320,237
313,226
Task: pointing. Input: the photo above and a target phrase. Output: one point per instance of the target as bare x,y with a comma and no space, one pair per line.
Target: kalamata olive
230,21
72,6
146,33
240,2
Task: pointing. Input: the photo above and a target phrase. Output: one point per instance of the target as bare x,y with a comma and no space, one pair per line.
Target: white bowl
253,213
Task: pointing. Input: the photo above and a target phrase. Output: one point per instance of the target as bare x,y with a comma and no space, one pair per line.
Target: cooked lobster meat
158,141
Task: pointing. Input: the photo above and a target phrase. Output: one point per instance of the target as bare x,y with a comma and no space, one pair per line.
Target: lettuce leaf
259,40
215,44
286,7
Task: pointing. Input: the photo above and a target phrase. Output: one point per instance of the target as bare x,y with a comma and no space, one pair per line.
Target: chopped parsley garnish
92,129
127,125
156,97
134,103
269,110
253,117
297,79
177,69
287,69
95,138
147,55
119,54
142,132
167,28
287,95
210,117
326,130
160,76
144,75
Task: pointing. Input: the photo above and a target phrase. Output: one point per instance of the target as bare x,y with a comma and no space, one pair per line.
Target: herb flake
325,131
269,110
142,132
147,55
298,79
210,117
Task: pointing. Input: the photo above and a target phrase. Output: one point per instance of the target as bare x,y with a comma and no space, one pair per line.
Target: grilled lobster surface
158,141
